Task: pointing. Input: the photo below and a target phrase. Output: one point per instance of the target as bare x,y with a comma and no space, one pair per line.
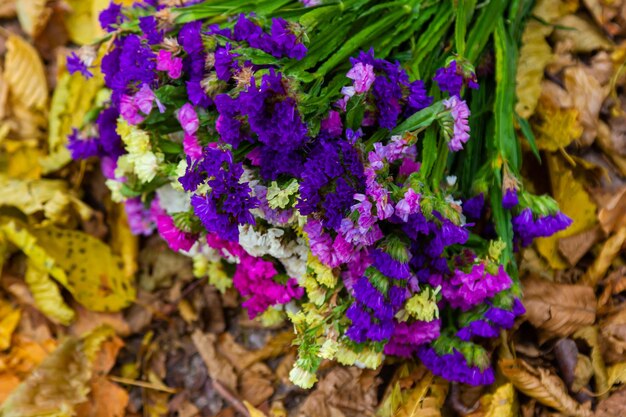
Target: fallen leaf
106,399
33,15
582,34
591,335
610,250
613,330
582,376
7,10
59,384
534,55
614,406
9,319
8,383
256,384
543,386
558,308
612,213
254,412
587,95
47,296
219,369
21,58
574,247
616,374
570,193
566,354
501,403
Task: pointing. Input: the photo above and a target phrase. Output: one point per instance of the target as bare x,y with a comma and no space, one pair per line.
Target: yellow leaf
52,197
591,335
535,54
555,127
95,276
7,10
574,201
33,15
47,296
80,22
610,250
253,411
21,60
617,374
9,318
502,403
412,403
24,163
123,242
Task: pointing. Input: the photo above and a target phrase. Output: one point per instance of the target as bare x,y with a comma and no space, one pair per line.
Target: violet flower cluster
326,218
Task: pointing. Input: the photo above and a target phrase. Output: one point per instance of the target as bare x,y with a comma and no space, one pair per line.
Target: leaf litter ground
169,344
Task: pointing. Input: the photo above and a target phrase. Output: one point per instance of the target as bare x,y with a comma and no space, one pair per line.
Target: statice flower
409,204
363,76
466,290
473,207
454,367
510,200
76,64
166,62
459,112
82,148
452,78
111,16
407,337
526,228
140,218
188,119
148,25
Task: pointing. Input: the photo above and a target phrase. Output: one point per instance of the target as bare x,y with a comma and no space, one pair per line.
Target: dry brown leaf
612,213
614,406
606,142
33,15
22,58
581,34
543,386
588,96
611,248
218,367
350,392
558,308
256,384
106,399
613,330
7,10
8,383
591,335
574,247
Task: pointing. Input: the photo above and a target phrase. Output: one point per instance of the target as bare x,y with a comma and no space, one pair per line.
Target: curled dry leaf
613,330
616,374
543,386
591,335
501,403
581,34
7,9
22,58
558,308
574,247
612,213
611,248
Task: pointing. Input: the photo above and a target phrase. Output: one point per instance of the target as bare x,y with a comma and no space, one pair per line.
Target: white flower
146,166
172,200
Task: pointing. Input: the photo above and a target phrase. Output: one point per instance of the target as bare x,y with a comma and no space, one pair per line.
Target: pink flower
363,76
332,124
460,114
408,205
364,207
175,238
130,111
408,167
191,146
144,99
173,66
188,119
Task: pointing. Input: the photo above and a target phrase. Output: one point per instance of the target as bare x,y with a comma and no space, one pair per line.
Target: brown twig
230,398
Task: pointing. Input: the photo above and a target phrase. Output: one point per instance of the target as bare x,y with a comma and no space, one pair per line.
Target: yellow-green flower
423,306
278,198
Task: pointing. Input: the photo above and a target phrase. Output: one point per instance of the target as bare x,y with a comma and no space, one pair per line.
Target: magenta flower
363,76
130,111
192,147
460,114
173,65
188,119
144,99
175,238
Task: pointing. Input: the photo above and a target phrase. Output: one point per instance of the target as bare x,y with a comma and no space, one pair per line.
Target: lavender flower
76,64
459,112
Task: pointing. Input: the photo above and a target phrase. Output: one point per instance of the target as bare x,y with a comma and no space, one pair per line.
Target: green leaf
529,135
420,119
483,27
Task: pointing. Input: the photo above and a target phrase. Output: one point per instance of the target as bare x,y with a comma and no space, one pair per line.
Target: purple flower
144,99
225,62
389,266
418,98
111,16
473,207
139,217
481,328
460,114
332,124
75,64
82,148
363,76
454,367
449,79
148,25
510,200
408,205
526,228
407,337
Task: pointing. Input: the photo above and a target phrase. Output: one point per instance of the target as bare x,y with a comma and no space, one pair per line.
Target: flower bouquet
342,165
